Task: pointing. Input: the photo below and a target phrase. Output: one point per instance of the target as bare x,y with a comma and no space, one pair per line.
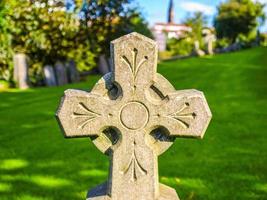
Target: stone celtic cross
133,115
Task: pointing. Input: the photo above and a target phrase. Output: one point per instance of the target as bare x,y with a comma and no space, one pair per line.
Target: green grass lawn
37,163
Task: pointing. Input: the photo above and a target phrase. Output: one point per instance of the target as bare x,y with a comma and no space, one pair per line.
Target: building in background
164,31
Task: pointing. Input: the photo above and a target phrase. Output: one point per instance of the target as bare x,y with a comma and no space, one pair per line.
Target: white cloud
198,7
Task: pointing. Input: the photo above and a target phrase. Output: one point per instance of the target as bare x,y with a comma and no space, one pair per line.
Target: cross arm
81,114
185,114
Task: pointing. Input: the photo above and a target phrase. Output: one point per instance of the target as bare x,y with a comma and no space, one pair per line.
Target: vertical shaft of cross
134,165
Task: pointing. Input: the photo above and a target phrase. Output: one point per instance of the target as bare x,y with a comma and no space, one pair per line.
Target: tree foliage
45,32
237,17
185,44
109,19
5,43
52,30
197,21
182,46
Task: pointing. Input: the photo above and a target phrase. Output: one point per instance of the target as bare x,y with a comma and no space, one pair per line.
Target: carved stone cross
133,114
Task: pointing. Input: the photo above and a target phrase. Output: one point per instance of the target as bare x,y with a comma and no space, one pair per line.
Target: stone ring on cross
133,114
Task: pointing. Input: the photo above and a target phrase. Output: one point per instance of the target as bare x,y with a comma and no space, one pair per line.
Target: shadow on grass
21,179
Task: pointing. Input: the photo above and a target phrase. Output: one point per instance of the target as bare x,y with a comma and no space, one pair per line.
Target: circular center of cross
134,115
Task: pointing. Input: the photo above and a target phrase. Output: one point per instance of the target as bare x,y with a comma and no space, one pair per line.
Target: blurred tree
46,33
5,47
52,30
109,19
197,21
185,44
133,21
237,17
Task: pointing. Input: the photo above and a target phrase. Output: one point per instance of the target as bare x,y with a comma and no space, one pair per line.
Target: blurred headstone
21,70
197,49
50,78
210,47
61,73
210,39
103,65
73,74
133,115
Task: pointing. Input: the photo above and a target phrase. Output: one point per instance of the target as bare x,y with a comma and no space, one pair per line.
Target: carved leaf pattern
135,168
134,66
180,116
86,114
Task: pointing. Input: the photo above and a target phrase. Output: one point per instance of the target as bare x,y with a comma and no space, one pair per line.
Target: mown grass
37,163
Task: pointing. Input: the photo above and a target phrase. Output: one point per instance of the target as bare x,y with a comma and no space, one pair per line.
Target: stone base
100,193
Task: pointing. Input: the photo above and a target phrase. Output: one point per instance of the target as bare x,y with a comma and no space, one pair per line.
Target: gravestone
210,39
103,64
21,70
210,47
133,115
50,79
73,74
197,49
61,73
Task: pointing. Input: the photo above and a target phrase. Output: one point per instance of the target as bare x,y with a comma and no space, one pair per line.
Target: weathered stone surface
61,73
133,115
21,70
49,74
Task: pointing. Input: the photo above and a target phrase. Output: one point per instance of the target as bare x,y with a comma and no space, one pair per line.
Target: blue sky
156,10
